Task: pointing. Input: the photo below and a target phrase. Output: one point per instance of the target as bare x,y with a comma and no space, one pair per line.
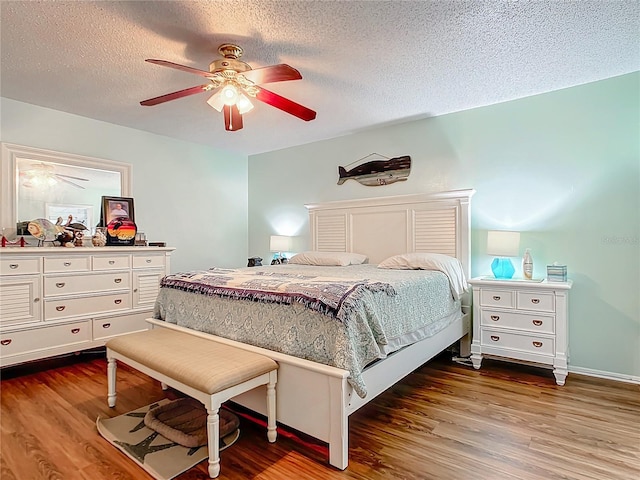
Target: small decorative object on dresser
523,321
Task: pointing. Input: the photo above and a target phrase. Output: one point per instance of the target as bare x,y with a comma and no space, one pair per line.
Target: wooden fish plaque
377,172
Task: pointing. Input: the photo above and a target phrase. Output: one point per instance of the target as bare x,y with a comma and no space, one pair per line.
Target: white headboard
385,226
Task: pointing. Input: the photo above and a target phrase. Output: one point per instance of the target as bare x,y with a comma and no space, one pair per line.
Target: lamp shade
503,244
280,243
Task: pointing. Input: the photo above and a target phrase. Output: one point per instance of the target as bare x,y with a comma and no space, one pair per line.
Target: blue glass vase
502,268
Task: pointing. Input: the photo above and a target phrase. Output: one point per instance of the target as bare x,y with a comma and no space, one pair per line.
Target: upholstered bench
206,370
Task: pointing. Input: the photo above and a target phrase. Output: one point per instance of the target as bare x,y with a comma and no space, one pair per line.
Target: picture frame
114,207
81,214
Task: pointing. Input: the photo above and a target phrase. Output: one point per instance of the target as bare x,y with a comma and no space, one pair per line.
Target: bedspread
336,296
377,324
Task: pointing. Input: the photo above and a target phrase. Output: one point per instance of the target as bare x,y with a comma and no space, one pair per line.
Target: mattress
380,312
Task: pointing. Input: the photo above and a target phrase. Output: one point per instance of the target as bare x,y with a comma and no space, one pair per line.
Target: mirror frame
9,175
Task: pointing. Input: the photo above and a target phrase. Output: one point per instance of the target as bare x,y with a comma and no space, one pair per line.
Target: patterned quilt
385,310
334,296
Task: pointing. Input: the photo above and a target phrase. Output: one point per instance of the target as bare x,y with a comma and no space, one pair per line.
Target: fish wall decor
377,172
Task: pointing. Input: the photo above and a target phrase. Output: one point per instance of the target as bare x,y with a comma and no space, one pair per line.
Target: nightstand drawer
519,321
515,342
540,302
497,298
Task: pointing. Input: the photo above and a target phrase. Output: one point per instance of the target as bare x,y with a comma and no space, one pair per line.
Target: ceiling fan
235,84
43,175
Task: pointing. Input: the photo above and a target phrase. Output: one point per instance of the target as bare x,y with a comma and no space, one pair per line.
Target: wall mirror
40,183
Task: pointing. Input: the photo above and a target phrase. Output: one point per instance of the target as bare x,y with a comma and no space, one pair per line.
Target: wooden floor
444,421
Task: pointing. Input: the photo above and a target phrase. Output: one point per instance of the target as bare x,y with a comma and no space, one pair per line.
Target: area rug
161,458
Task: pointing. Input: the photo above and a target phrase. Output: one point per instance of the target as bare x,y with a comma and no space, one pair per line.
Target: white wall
562,168
191,196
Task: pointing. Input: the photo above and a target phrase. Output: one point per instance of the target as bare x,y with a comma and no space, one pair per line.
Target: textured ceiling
364,63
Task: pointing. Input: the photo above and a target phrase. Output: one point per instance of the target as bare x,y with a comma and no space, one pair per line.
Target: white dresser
522,320
62,300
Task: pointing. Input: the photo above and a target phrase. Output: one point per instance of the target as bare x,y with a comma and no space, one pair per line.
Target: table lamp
279,244
503,245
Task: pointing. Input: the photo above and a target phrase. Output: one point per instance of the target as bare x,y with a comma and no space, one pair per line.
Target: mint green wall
563,168
191,196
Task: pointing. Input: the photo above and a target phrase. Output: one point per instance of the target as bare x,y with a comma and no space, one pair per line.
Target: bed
313,375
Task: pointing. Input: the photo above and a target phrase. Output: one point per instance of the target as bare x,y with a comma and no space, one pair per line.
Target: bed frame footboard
304,386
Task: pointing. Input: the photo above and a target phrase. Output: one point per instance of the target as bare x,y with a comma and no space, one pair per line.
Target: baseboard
618,377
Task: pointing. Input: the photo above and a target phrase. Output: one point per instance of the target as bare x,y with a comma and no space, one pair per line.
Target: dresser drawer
20,266
518,321
531,344
537,301
497,298
73,284
105,328
148,261
71,307
25,341
67,264
113,262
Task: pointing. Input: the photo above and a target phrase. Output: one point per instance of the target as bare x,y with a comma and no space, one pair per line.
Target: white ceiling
364,63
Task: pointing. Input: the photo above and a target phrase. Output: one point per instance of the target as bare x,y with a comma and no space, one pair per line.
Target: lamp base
502,267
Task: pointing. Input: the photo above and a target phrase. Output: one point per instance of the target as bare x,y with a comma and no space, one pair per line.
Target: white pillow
327,258
450,266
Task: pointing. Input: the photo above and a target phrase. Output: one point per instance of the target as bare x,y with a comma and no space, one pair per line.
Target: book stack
556,273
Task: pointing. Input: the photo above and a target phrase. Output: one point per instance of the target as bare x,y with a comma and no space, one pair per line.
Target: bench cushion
202,364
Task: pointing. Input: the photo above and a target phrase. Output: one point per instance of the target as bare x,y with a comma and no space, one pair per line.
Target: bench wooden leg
111,381
272,432
213,438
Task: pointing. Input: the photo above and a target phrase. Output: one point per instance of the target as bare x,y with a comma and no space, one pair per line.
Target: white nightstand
521,320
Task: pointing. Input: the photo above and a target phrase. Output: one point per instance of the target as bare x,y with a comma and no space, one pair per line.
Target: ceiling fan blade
285,104
177,66
69,182
71,176
232,118
274,73
175,95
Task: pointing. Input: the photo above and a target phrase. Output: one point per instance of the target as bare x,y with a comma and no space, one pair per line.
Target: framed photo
80,214
116,207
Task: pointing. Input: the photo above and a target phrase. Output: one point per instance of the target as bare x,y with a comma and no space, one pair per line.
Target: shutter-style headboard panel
385,226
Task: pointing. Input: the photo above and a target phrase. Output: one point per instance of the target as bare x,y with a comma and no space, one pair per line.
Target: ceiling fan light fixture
216,101
229,94
244,104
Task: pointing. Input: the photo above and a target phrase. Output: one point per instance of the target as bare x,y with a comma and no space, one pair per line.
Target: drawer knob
13,266
495,318
148,260
117,301
111,262
537,323
36,300
60,308
6,341
495,338
67,264
535,301
60,284
75,330
496,297
117,280
537,344
106,325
